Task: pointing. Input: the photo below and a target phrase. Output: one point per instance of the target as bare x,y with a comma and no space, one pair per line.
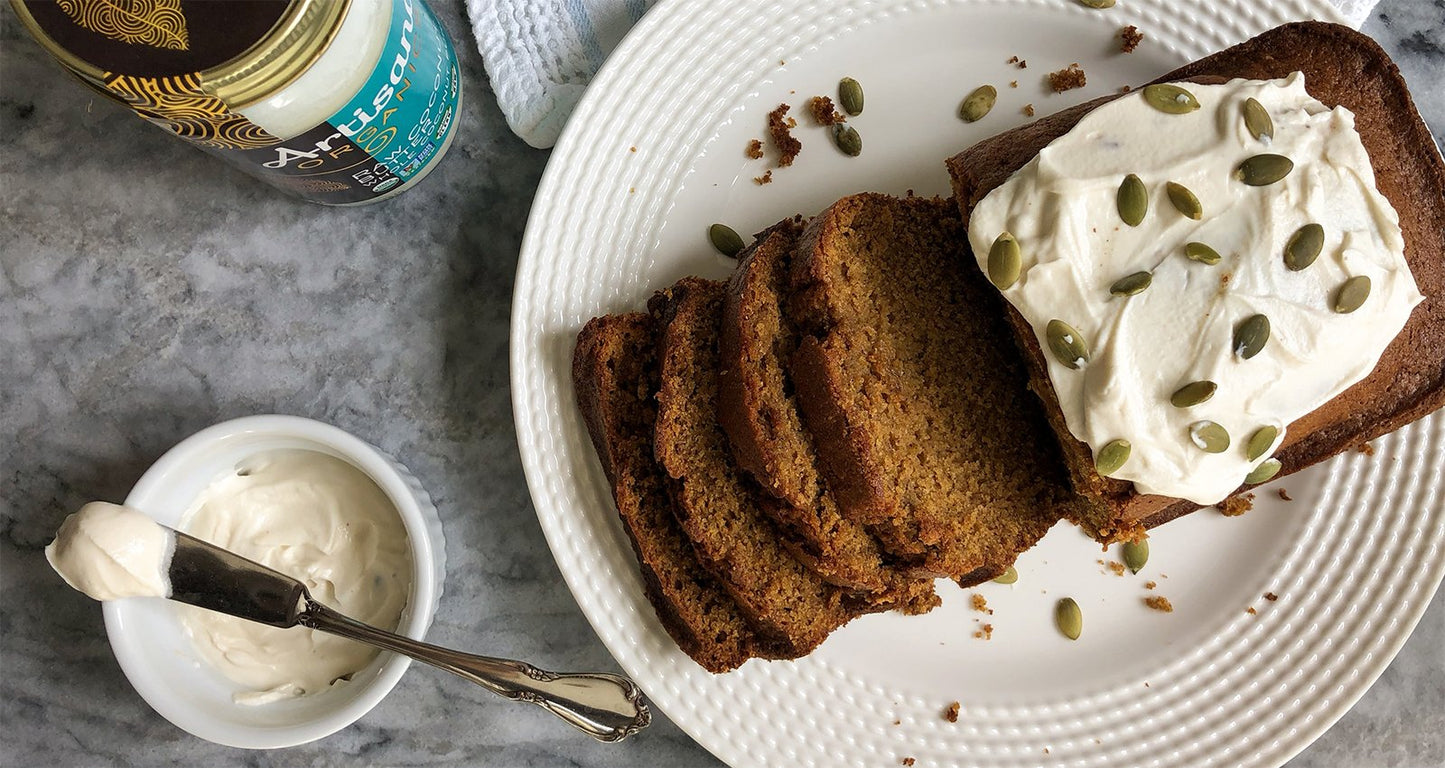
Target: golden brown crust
1342,68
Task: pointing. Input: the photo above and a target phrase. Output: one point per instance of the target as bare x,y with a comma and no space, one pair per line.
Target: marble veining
147,291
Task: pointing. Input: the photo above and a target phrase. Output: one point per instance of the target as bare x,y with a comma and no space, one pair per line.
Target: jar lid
237,51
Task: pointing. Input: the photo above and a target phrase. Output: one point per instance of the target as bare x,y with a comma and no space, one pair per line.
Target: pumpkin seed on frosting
1250,336
1257,121
1260,442
1112,456
1184,200
1170,98
1352,294
1132,200
1067,344
1201,253
1193,393
1264,472
1263,170
1130,285
1209,436
1005,261
1304,246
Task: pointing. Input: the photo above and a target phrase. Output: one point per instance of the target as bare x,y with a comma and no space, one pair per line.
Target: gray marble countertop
147,291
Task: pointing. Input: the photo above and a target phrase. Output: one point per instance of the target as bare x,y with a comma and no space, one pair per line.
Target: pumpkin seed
1068,618
850,96
1210,437
1132,200
1009,576
1260,442
1193,393
1304,246
1201,253
1250,336
1067,345
978,103
1135,554
1100,4
725,240
1265,471
1170,98
1004,261
1352,294
1263,170
1184,201
1257,121
1131,284
847,139
1112,456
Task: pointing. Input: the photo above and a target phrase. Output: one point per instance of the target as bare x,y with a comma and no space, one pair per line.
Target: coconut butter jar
342,102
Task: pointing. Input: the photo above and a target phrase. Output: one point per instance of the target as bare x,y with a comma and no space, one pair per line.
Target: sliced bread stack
843,421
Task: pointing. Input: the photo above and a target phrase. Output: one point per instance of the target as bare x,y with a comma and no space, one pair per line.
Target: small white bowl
151,643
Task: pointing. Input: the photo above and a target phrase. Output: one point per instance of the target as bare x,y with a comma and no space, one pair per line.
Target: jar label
395,124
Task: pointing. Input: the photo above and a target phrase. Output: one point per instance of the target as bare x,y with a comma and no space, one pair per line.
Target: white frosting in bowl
1062,210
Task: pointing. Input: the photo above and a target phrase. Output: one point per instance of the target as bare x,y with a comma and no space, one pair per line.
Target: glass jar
342,102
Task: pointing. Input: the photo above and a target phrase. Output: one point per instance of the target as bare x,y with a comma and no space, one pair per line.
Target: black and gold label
179,105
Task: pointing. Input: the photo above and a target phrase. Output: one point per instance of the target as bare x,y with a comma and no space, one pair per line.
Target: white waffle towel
541,54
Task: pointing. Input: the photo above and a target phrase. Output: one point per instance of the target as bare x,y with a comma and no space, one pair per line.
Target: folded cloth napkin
540,54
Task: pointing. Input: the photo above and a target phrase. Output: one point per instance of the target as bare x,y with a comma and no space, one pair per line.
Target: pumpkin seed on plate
1170,98
1009,576
1112,456
1068,618
1184,201
1209,437
1067,345
1132,200
1250,336
978,103
1193,393
1257,121
850,96
1352,294
1135,554
725,240
1265,471
847,139
1131,284
1304,246
1201,253
1260,442
1263,170
1004,261
1100,4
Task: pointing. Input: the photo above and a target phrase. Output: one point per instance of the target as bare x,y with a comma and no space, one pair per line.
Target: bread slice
758,411
1342,68
614,370
908,379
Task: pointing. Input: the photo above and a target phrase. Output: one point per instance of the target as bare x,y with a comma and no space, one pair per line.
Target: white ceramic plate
655,153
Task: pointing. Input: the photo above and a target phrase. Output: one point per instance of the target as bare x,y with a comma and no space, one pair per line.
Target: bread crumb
1150,584
1129,38
1067,79
778,129
766,178
1017,62
984,633
1366,448
898,722
907,761
1117,567
1159,603
821,108
755,149
951,714
1028,110
1124,89
1013,83
980,603
1235,506
1250,610
1283,494
1270,596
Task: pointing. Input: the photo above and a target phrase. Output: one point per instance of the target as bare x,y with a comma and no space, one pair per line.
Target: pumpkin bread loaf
758,411
908,379
614,369
1342,68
